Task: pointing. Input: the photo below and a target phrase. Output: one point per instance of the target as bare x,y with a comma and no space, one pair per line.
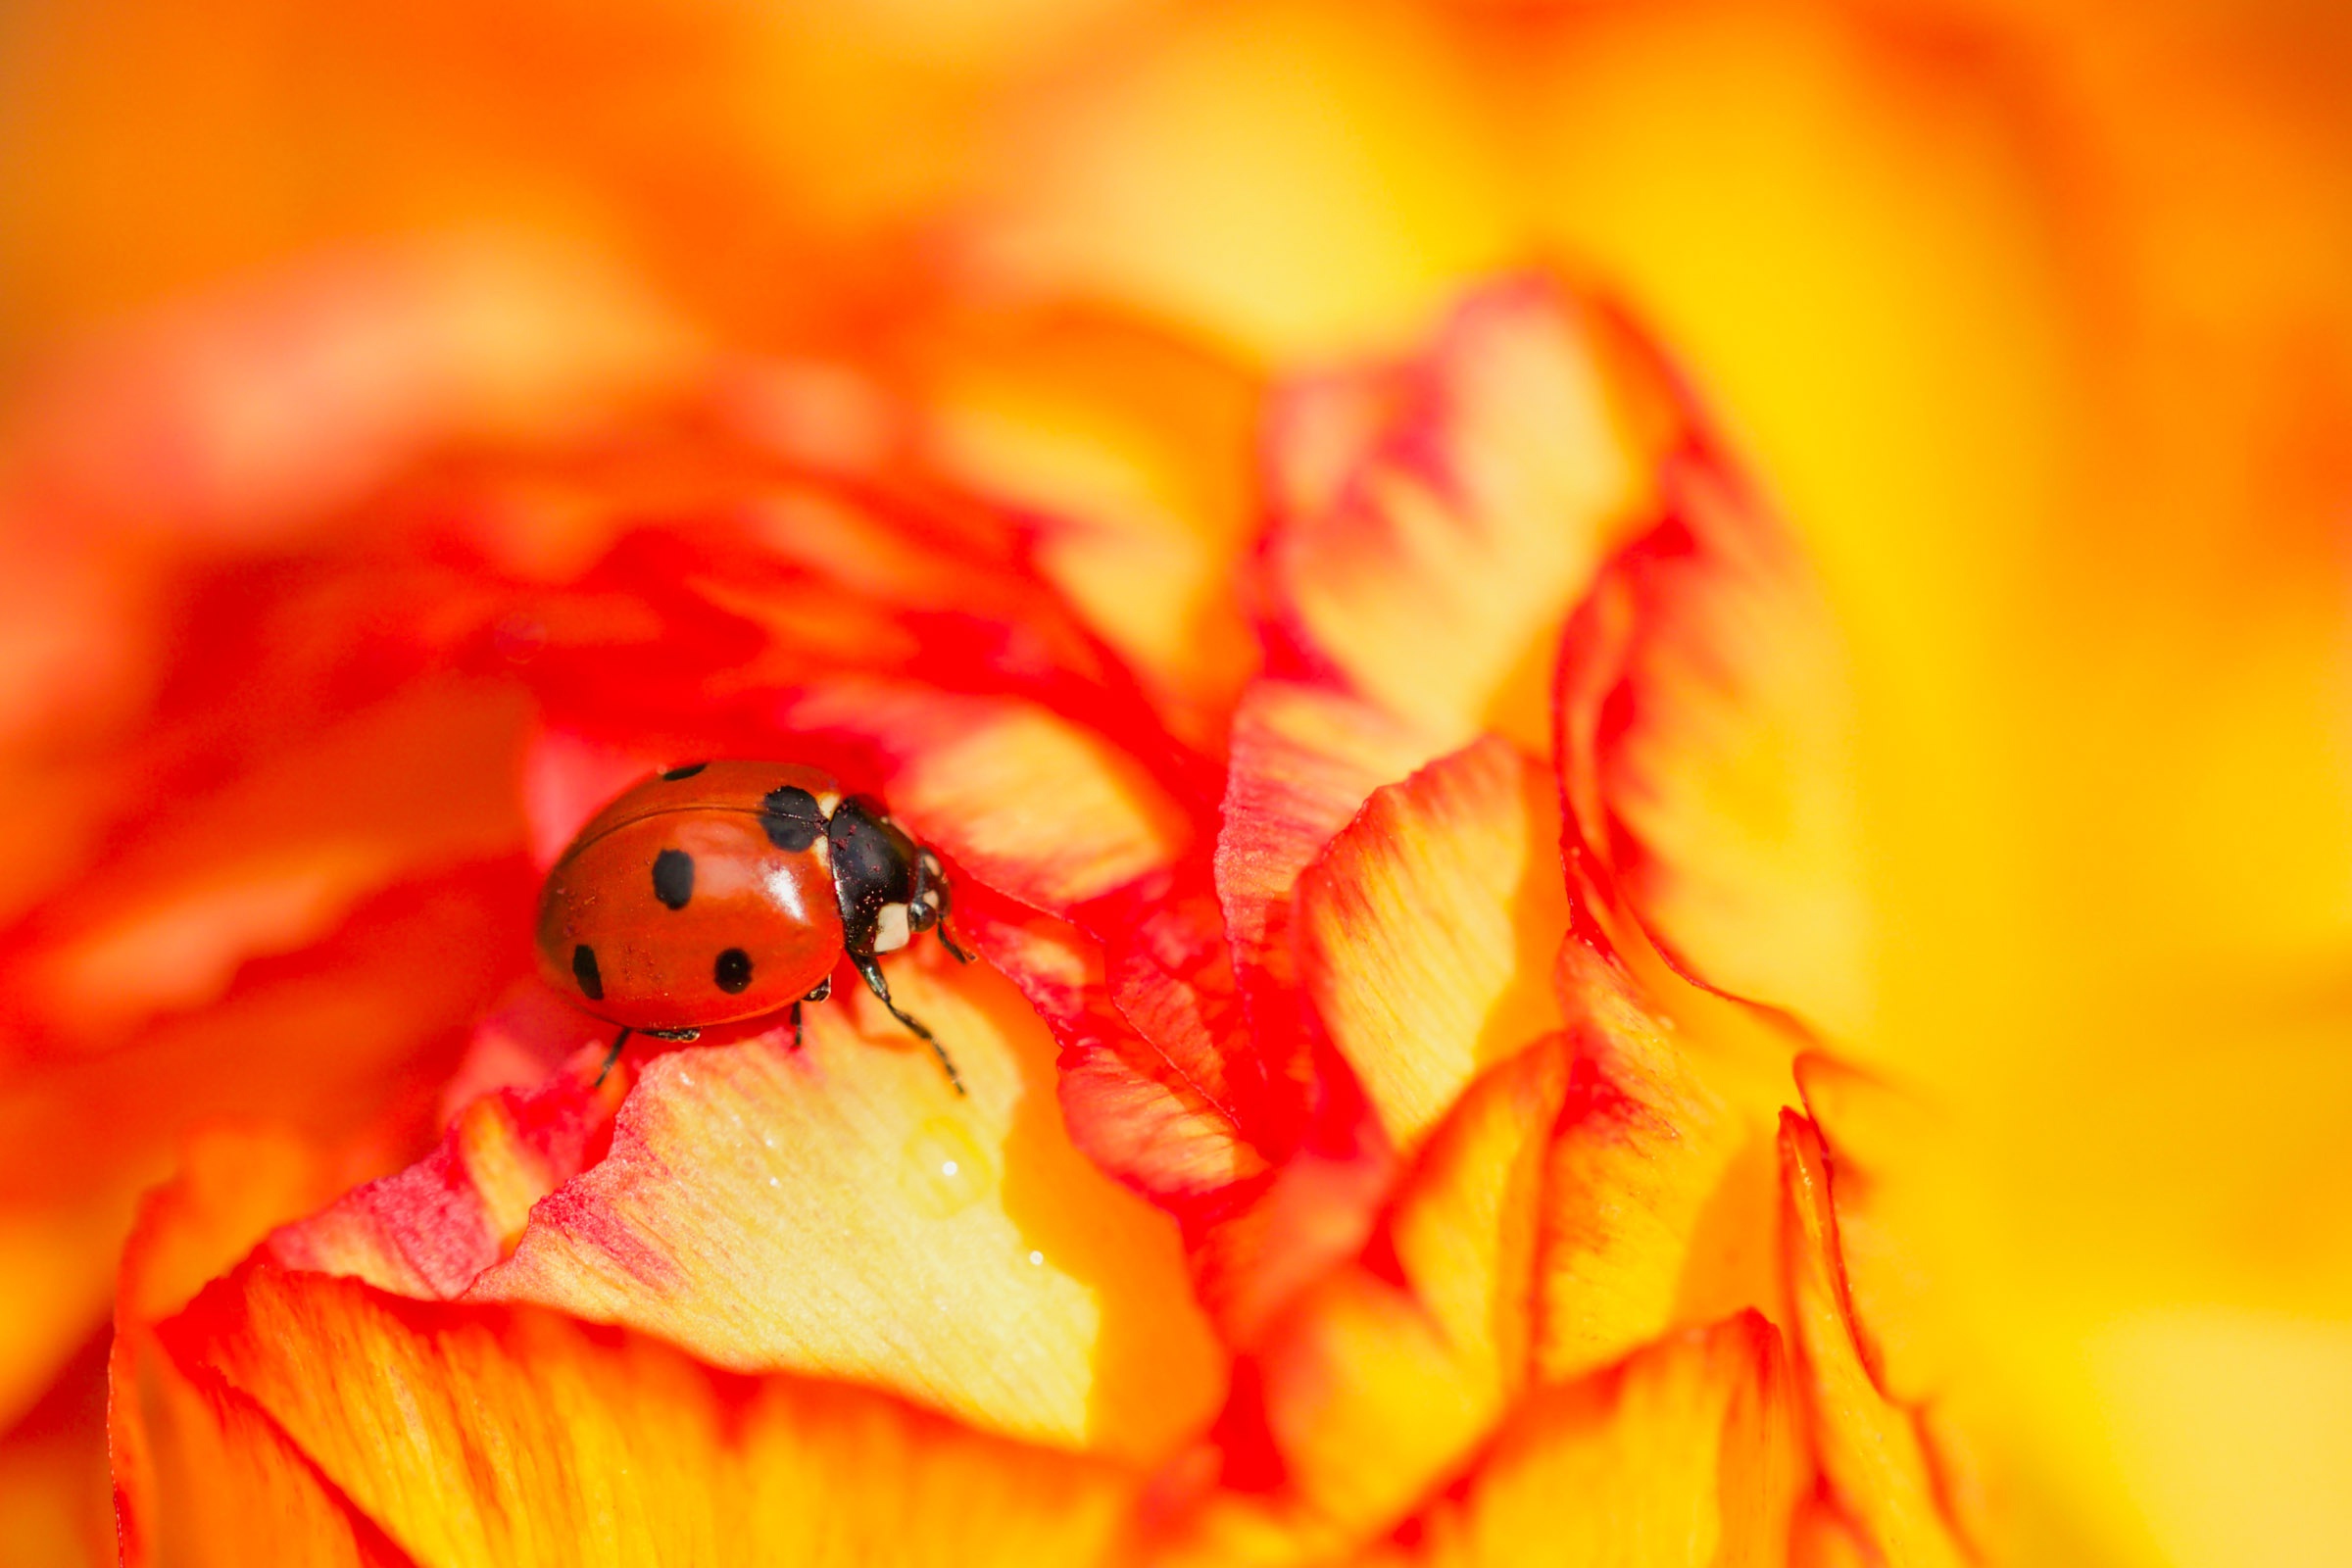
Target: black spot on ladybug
673,877
688,772
583,969
792,818
733,970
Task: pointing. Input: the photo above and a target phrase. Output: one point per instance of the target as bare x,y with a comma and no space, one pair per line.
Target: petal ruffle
1875,1463
1429,929
1706,753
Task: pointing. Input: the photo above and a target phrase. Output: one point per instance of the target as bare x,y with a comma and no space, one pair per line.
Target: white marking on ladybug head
890,928
826,802
931,897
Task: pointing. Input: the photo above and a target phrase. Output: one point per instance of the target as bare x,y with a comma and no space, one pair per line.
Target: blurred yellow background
2037,318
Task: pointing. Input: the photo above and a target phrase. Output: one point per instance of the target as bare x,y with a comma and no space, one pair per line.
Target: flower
1338,1169
2032,323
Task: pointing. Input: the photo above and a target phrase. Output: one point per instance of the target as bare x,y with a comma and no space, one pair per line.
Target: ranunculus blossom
1636,710
1360,1155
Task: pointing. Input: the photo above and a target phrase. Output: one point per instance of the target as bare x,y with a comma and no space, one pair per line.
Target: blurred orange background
2038,320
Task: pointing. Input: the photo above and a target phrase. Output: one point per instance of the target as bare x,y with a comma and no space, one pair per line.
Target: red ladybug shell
690,900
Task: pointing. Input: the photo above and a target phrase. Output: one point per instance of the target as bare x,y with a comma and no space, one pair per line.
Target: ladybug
723,891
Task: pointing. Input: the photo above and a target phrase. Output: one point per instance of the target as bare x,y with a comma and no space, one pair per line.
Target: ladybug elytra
724,891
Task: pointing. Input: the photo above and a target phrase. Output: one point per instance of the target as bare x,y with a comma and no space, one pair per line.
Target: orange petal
344,1041
842,1212
1429,930
513,1436
1706,753
223,1485
1660,1197
1444,518
1878,1468
171,1438
1688,1453
273,862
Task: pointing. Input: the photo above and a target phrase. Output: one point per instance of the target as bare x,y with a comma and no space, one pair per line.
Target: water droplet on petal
1036,1257
945,1170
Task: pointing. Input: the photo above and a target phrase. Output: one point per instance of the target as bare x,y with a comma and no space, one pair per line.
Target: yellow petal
511,1436
1471,519
1377,1386
842,1212
1687,1453
1429,930
1873,1459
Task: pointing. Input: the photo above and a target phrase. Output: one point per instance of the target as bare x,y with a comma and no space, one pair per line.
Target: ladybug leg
871,972
947,940
796,1026
610,1056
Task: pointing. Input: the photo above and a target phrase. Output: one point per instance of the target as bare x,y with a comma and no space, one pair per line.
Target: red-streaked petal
1303,759
511,1436
429,1231
1444,517
1430,928
1660,1197
1873,1460
841,1210
1152,1106
1706,753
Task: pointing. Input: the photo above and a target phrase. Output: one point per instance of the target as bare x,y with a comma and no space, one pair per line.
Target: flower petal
1434,524
842,1212
429,1231
171,1438
1875,1135
1873,1460
1429,930
514,1437
1688,1453
1660,1195
1133,442
1153,1104
1380,1379
1447,516
1025,799
1706,753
